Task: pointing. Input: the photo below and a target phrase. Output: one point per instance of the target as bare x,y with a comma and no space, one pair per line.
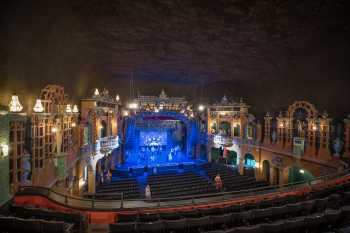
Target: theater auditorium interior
174,116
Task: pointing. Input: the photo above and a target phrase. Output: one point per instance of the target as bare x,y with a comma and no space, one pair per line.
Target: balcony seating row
25,212
284,214
11,224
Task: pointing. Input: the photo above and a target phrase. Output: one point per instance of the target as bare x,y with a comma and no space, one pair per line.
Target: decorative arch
311,110
53,95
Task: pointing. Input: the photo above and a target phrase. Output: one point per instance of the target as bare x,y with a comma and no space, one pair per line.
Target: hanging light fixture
75,108
38,107
15,105
4,150
68,108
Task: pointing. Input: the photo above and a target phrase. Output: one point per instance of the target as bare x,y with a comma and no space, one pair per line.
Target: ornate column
280,130
347,136
243,112
259,133
91,180
324,128
289,133
267,128
311,135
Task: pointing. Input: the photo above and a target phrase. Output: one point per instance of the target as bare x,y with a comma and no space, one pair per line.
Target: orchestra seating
231,179
183,184
326,210
112,190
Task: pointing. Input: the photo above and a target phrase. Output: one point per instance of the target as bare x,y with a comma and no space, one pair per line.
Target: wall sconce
38,107
4,150
257,164
53,129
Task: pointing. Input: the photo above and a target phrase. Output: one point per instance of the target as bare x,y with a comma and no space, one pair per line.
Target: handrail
96,204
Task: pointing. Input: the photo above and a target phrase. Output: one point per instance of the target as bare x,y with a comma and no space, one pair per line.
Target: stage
134,170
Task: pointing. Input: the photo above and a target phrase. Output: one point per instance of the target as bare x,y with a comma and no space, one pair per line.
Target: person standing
218,182
148,193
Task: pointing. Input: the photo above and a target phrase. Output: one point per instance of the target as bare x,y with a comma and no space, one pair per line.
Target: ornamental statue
337,146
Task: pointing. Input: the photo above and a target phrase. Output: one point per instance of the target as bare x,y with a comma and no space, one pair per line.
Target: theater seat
178,225
6,223
220,219
246,229
332,216
156,226
294,224
201,222
276,226
122,227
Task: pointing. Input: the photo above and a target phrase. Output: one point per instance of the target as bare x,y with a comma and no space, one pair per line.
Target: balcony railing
107,143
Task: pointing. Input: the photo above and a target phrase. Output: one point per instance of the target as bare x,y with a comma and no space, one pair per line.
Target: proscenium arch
311,110
175,115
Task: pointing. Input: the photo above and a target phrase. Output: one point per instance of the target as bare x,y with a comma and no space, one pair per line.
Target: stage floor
127,169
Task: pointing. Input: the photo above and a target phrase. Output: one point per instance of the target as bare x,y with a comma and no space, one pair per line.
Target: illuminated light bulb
301,171
314,127
133,105
53,129
73,124
281,125
15,105
38,107
117,98
96,93
201,108
4,150
257,165
68,108
125,113
75,108
156,110
192,115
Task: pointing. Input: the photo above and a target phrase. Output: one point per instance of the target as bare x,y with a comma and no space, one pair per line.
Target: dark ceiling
269,52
